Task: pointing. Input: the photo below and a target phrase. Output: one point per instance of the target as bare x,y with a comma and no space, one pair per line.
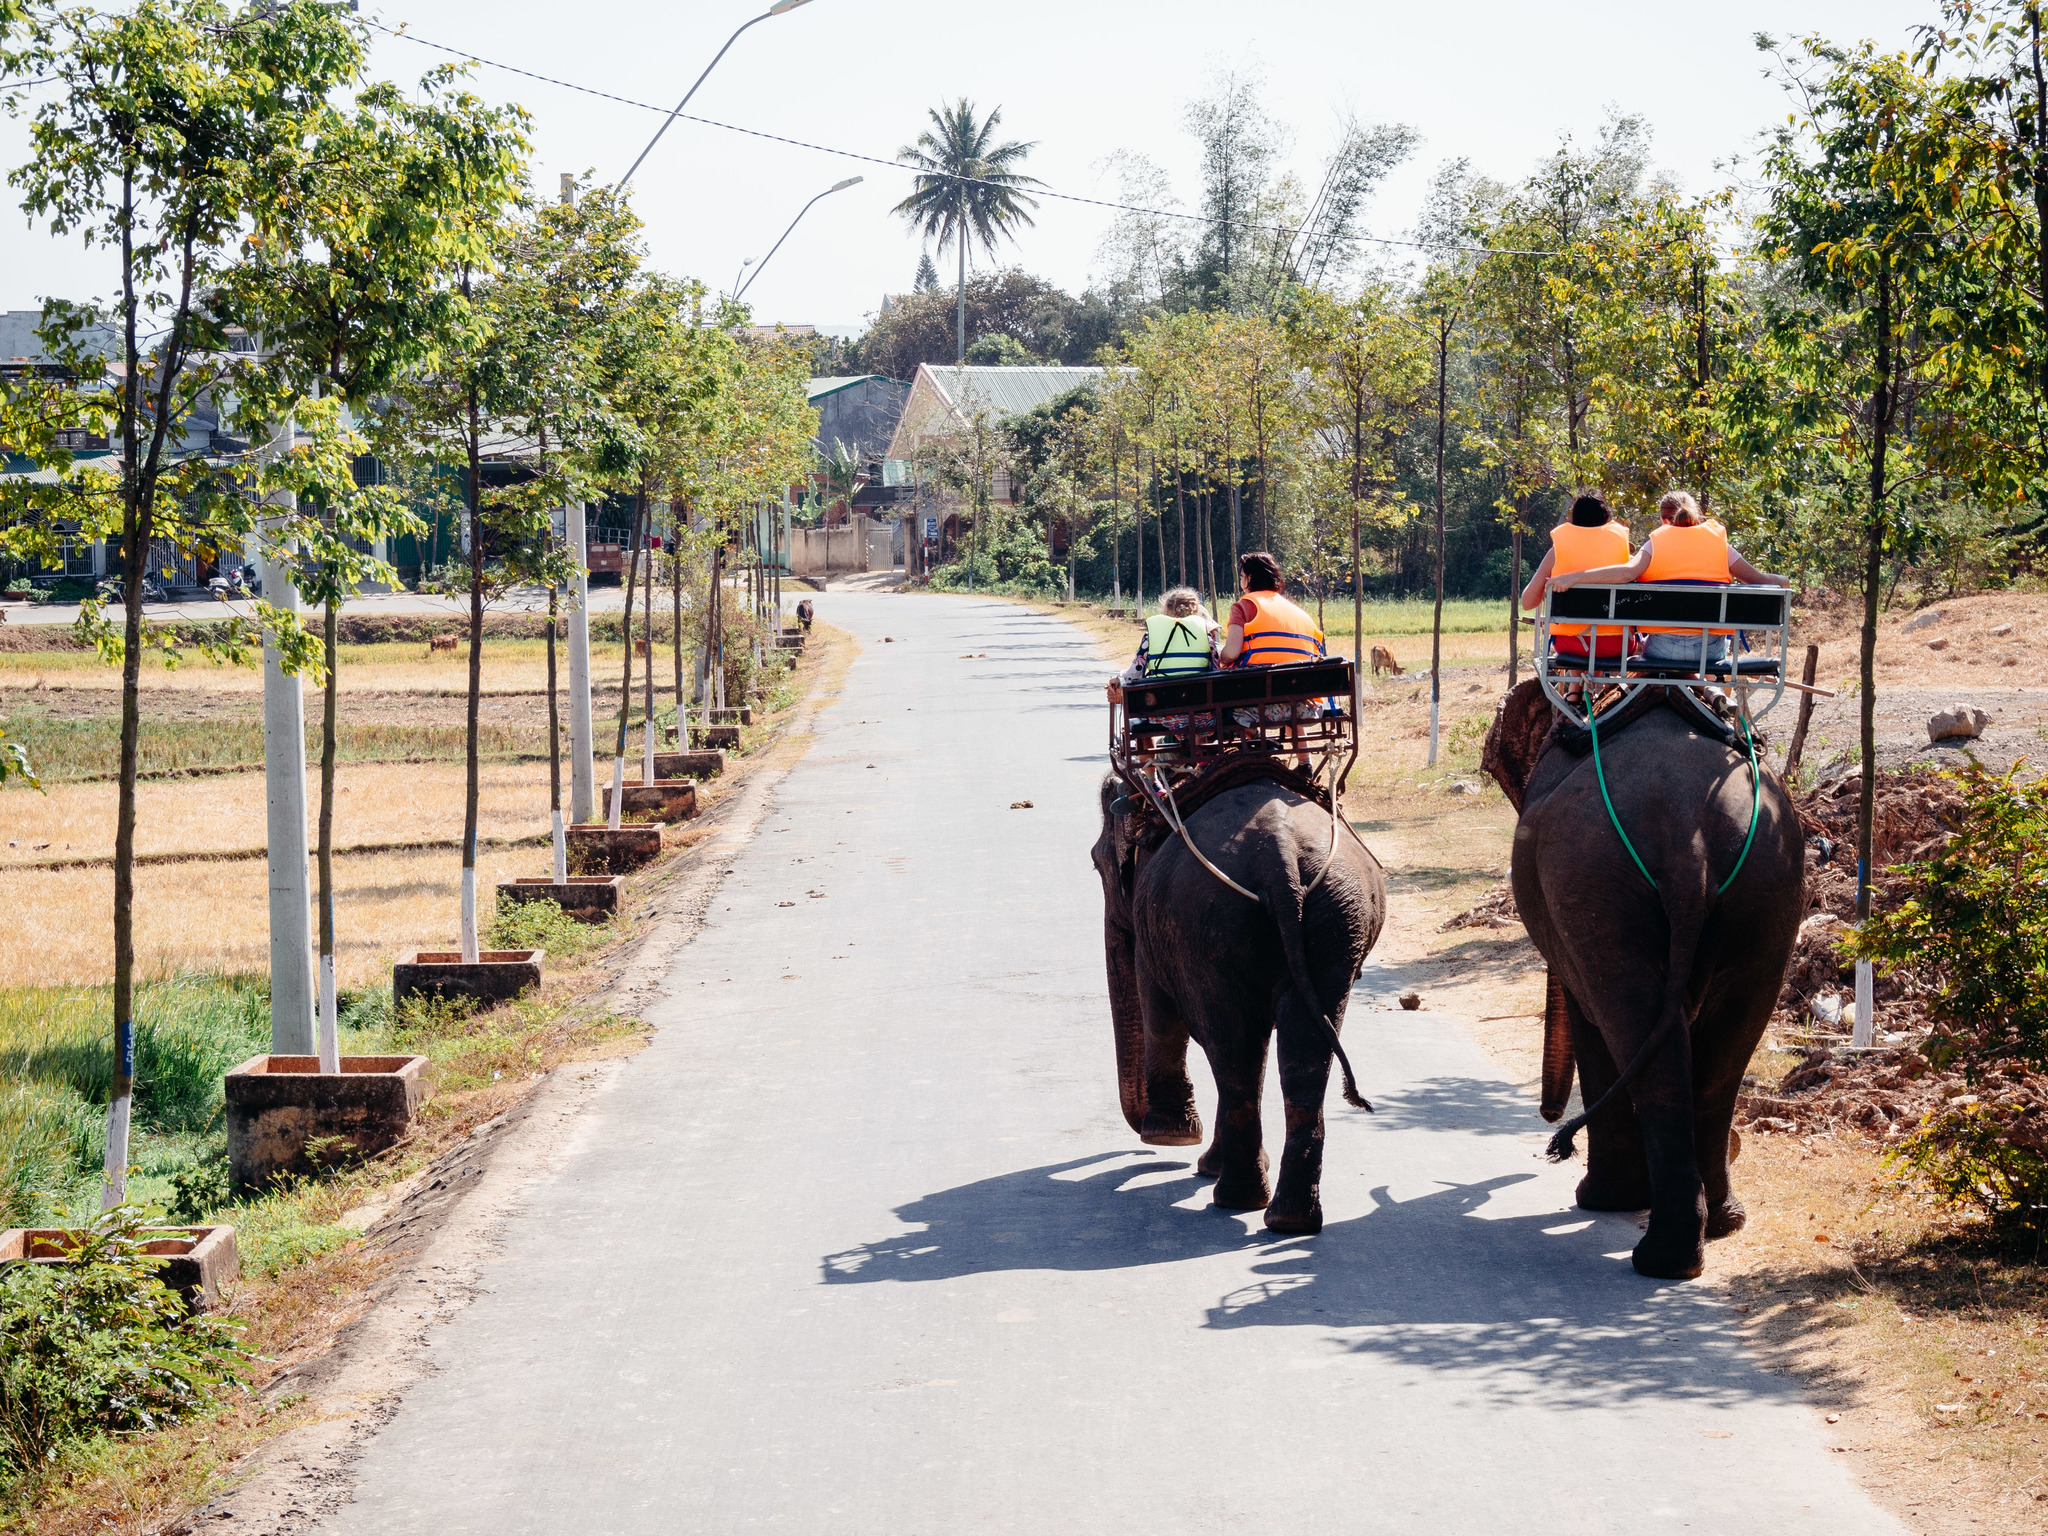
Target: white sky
1496,81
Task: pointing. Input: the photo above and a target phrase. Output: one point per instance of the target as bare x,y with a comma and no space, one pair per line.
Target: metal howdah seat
1304,709
1755,620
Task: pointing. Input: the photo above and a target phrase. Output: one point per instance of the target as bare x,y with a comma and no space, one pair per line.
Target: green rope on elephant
1756,803
1593,728
1756,800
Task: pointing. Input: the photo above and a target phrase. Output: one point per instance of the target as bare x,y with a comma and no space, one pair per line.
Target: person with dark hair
1589,536
1688,547
1264,628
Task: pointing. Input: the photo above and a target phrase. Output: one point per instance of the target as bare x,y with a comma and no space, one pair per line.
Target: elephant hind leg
1305,1057
1236,1048
1617,1172
1724,1038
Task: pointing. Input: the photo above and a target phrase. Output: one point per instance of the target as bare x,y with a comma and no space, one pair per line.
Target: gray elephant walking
1663,977
1192,959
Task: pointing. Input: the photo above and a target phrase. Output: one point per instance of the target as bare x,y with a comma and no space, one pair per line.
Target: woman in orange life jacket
1687,548
1265,629
1589,537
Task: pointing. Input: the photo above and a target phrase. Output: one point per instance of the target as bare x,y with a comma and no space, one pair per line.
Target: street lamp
838,186
774,10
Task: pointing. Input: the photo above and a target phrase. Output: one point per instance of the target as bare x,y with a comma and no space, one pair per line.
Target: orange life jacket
1698,553
1279,632
1586,549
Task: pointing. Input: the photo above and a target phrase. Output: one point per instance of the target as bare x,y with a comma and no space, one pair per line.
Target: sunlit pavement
862,1244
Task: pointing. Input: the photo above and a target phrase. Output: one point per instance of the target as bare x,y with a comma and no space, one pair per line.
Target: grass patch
74,749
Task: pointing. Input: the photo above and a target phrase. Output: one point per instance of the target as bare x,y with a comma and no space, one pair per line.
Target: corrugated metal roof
823,387
1006,391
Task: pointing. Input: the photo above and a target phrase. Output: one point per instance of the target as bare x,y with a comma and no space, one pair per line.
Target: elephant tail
1286,909
1673,1024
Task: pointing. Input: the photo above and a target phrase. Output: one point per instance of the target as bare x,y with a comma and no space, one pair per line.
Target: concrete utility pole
582,773
284,781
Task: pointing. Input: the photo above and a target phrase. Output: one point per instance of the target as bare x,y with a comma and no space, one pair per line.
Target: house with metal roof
943,399
859,410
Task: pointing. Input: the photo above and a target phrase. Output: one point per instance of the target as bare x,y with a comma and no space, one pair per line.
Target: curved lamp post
838,186
774,10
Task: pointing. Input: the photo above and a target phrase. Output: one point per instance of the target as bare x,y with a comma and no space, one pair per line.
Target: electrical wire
848,154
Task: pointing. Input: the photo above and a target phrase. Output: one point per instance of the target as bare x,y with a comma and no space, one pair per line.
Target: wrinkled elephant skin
1190,958
1705,962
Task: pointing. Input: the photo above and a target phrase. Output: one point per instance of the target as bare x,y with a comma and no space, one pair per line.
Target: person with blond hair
1179,640
1686,547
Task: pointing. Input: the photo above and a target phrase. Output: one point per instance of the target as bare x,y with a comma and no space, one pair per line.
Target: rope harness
1756,793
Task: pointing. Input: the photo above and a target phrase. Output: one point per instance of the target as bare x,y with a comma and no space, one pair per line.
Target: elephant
1191,958
1659,993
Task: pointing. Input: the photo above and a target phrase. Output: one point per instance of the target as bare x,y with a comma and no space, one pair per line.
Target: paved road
861,1243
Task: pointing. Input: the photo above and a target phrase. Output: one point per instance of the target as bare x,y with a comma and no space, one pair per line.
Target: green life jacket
1175,647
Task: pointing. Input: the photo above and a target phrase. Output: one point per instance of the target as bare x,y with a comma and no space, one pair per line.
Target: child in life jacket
1686,547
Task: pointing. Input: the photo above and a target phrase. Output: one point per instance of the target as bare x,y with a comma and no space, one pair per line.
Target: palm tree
966,189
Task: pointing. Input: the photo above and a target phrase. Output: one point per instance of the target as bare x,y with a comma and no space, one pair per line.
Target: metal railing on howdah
1754,622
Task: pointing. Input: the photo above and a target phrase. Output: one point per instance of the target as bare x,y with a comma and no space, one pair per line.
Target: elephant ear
1521,724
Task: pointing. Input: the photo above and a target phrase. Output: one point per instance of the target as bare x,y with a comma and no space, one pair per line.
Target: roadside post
582,767
284,795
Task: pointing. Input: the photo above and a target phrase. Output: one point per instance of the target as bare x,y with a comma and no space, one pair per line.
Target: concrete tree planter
198,1261
599,848
688,765
495,976
590,898
665,800
705,736
276,1104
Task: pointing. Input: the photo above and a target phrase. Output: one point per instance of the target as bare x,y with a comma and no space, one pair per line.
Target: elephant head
1115,857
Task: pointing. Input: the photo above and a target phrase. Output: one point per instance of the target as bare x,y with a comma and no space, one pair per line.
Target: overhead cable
848,154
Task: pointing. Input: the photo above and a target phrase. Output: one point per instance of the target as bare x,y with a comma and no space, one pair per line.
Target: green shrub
367,1011
99,1346
543,925
1971,937
1972,929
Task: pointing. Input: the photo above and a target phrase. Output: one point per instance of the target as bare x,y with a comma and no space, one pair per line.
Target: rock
1961,723
1020,805
1922,620
1464,787
1411,1000
1937,645
2001,630
1827,1009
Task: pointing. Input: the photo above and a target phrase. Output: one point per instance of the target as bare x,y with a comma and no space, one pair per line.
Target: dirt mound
1914,814
1496,909
1881,1095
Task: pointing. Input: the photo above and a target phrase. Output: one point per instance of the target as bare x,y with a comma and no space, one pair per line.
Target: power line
848,154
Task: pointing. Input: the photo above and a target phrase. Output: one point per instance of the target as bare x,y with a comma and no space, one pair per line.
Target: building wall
863,416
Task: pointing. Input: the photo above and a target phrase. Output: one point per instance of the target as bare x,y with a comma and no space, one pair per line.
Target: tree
966,190
1367,369
174,126
347,288
927,275
1859,245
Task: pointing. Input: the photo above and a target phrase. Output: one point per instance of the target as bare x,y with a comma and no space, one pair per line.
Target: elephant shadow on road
1541,1303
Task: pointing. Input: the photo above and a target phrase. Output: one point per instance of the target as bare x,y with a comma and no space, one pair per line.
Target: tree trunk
626,682
960,301
134,563
1357,596
1515,593
647,678
678,513
1436,633
329,1044
1873,576
561,840
1180,514
470,946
